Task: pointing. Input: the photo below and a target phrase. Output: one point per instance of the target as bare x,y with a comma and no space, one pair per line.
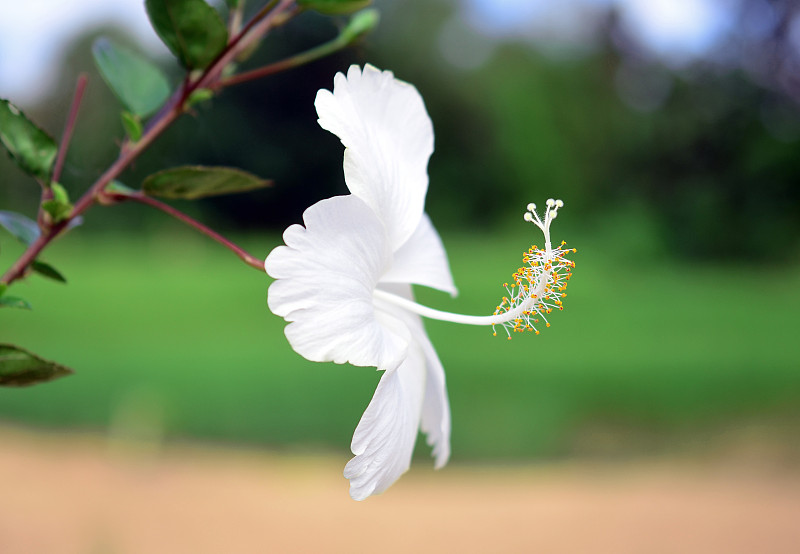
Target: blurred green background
679,177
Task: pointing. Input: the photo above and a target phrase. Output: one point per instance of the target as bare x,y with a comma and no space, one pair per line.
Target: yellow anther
545,271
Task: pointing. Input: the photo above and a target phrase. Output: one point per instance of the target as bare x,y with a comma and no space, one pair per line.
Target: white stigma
544,223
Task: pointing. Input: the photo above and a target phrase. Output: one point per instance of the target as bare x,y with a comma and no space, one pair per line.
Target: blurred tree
725,186
709,148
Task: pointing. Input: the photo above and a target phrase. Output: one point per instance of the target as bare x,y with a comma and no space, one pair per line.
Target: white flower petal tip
384,440
388,136
539,286
409,399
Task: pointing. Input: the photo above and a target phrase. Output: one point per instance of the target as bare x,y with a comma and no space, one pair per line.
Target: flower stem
246,257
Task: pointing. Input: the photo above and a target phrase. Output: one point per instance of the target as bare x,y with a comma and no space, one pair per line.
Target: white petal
436,408
384,439
389,138
435,421
325,276
422,260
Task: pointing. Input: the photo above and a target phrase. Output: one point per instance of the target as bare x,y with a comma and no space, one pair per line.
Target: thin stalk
288,63
235,23
268,7
254,30
246,257
80,88
63,146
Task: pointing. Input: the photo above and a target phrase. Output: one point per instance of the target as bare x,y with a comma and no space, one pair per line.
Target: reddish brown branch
72,118
246,257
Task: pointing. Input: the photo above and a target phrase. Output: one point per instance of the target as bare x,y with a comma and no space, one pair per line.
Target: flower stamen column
536,289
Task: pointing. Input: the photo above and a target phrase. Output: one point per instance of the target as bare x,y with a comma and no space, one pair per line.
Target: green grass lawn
647,354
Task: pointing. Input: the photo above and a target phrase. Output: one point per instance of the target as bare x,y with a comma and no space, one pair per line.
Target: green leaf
14,302
46,270
23,228
59,207
191,29
140,85
19,368
334,7
31,148
132,125
361,23
3,289
191,182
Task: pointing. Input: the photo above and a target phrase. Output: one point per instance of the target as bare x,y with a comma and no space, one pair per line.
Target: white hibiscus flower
343,280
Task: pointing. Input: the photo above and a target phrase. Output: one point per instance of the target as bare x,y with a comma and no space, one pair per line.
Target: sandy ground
81,494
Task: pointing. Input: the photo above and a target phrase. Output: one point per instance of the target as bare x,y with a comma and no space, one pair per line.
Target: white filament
431,313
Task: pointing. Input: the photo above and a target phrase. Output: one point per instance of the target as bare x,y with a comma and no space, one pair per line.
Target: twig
80,87
246,257
287,63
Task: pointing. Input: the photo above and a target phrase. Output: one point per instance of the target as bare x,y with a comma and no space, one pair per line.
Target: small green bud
59,192
133,125
58,207
118,187
199,95
112,193
361,23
